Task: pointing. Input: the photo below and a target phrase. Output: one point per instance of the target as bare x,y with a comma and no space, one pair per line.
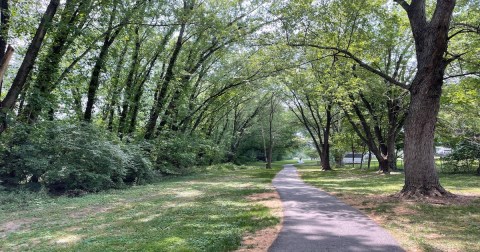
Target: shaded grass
203,212
419,226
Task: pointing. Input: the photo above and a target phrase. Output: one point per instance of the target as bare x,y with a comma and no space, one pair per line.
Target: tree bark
129,85
162,92
48,68
431,42
270,132
116,88
28,62
110,37
95,79
325,158
5,23
4,61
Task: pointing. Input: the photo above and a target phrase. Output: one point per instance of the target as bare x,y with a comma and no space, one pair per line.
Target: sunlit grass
203,212
450,226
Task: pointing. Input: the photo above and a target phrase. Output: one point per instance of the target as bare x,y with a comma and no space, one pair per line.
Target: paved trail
317,221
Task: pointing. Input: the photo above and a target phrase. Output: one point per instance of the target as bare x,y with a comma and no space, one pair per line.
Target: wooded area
102,94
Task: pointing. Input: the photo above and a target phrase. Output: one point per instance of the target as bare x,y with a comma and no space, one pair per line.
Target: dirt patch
262,239
13,226
458,200
89,211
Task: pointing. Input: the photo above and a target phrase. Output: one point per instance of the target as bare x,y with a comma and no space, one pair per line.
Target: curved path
317,221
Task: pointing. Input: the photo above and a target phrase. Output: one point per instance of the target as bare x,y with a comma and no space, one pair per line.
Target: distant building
442,151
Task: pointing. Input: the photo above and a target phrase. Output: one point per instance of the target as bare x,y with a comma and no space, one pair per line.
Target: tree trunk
45,84
391,155
111,35
4,61
369,159
431,42
129,86
95,80
325,154
116,88
421,178
270,133
30,56
162,93
5,23
478,169
28,62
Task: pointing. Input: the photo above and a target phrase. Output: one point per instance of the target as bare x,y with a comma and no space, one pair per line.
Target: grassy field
448,225
203,212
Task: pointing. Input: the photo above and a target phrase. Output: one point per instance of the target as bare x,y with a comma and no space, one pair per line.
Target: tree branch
364,65
461,75
404,4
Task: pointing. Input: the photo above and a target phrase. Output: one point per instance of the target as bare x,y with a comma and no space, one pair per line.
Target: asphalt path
317,221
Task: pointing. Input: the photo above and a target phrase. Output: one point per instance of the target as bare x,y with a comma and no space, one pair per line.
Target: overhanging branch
404,4
364,65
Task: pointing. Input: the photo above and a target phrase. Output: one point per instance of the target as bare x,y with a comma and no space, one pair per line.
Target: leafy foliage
67,156
465,158
180,154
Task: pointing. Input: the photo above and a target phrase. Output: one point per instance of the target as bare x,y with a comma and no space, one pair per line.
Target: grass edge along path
449,225
202,212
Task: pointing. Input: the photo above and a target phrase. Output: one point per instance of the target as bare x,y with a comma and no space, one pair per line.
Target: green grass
419,226
205,212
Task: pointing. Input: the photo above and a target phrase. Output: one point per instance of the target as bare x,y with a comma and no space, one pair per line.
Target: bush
63,157
465,158
138,166
180,154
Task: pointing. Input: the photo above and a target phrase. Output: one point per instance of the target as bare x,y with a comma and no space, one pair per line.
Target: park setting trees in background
160,87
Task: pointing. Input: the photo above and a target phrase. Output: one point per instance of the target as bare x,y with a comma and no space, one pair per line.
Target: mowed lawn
446,225
203,212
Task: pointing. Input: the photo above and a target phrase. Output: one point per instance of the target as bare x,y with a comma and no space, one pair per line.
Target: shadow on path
317,221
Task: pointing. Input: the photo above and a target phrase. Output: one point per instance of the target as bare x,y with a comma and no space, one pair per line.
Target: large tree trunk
431,42
115,89
391,155
270,132
420,174
110,36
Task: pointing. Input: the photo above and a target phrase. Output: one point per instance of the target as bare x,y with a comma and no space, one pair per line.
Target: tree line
189,83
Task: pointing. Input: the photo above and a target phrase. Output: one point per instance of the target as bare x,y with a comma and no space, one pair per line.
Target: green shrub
62,157
181,154
139,168
465,158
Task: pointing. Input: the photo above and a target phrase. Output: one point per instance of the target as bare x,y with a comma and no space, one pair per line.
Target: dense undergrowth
77,158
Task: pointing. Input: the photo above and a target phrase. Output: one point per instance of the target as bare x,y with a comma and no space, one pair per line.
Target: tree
28,62
271,113
431,38
73,17
431,43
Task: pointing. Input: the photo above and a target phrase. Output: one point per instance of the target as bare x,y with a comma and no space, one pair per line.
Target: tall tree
431,39
73,17
28,62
